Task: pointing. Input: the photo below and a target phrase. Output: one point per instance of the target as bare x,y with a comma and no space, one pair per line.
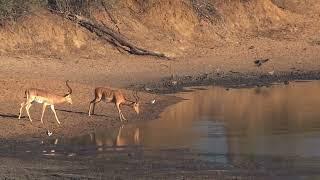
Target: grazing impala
46,98
115,96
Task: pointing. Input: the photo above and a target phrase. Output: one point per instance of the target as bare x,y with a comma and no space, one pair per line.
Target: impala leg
27,109
21,109
43,110
123,116
93,105
120,112
90,106
55,114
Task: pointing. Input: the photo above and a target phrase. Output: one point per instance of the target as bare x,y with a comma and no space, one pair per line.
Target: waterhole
280,120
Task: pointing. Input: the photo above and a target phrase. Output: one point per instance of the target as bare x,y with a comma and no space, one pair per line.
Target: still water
281,120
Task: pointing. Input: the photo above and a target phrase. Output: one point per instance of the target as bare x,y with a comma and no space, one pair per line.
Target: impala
46,98
115,96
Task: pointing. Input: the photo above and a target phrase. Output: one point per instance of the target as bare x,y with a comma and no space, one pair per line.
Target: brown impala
115,96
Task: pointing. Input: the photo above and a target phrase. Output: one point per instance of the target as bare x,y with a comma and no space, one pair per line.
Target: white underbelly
39,100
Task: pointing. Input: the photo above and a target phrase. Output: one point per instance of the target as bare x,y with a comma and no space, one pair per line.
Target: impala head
136,107
136,103
68,96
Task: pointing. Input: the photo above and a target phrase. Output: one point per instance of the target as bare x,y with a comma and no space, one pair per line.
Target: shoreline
162,90
229,80
135,161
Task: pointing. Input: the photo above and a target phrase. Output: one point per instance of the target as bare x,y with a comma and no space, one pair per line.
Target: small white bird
153,101
174,83
49,133
147,89
271,72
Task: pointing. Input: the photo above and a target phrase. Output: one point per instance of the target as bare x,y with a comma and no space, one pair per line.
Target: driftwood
111,36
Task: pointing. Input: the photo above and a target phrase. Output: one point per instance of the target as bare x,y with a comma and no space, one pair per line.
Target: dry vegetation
176,28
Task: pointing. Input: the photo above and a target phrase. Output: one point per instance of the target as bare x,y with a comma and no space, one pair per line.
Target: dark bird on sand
259,62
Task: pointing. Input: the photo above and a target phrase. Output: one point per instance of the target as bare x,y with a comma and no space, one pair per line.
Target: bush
12,9
82,7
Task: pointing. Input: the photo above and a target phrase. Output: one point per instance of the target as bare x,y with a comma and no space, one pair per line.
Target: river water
276,121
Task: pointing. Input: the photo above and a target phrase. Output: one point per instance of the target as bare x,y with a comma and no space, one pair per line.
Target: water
278,121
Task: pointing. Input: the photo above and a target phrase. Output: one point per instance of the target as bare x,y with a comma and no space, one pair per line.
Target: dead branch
110,35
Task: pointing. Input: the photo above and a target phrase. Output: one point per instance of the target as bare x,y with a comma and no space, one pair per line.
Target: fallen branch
115,38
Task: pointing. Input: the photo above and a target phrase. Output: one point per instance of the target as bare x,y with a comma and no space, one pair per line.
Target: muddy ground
231,66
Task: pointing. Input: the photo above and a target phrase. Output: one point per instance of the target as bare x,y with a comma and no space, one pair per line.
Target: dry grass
176,28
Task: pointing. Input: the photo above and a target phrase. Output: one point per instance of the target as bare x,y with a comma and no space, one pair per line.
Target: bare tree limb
110,35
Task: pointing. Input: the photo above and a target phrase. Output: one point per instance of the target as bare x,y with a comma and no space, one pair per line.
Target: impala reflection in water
282,120
110,137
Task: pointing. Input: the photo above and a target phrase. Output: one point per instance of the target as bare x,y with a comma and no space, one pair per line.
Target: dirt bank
176,28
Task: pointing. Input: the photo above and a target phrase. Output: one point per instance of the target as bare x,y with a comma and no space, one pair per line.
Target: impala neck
61,100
